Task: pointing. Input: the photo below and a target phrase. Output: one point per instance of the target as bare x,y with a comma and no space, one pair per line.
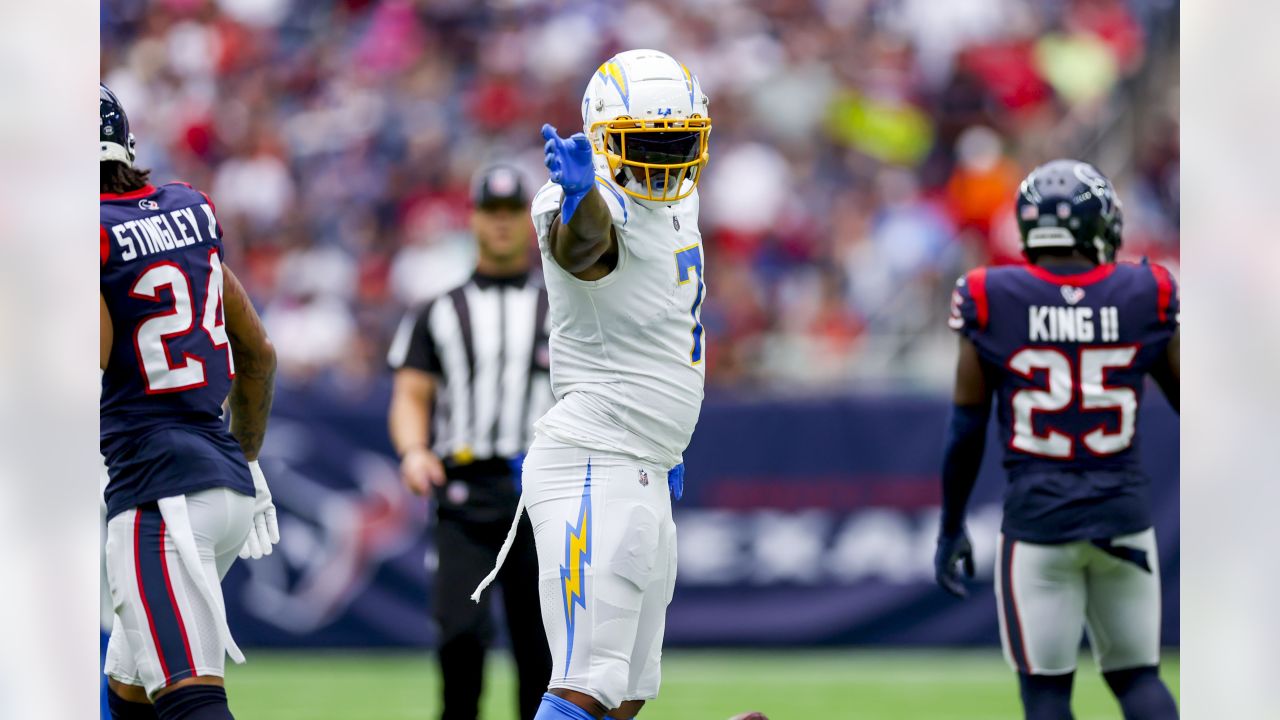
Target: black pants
472,526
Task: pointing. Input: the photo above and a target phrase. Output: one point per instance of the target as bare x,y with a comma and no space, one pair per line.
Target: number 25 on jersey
152,336
1059,391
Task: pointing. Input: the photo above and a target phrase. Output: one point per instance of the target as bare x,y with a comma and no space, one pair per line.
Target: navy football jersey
170,366
1067,354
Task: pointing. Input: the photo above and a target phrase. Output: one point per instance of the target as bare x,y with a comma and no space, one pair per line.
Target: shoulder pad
969,310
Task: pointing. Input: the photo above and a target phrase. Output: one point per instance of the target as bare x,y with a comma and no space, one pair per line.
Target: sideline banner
804,522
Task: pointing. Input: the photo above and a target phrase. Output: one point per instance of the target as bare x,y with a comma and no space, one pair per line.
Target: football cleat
648,123
750,716
1069,204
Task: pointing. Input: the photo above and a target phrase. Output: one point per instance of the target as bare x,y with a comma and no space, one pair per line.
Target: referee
471,376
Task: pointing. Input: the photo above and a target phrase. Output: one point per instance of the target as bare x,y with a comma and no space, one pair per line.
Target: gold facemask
659,154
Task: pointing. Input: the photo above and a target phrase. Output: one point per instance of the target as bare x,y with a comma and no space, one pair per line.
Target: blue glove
953,549
675,481
570,164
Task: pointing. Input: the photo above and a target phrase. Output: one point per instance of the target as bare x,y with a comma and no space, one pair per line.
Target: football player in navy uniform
1063,344
185,496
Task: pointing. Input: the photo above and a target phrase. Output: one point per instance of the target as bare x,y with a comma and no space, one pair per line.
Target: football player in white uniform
618,230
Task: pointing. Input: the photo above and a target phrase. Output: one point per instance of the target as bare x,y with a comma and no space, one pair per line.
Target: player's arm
962,458
1167,371
586,246
105,332
250,402
966,436
255,358
582,238
409,421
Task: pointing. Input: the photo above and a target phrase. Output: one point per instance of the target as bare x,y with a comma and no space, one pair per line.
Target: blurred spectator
865,152
909,238
256,185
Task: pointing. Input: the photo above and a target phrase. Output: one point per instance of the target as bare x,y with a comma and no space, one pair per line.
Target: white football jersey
627,350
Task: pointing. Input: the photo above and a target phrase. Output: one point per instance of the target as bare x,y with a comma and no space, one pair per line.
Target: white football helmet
648,122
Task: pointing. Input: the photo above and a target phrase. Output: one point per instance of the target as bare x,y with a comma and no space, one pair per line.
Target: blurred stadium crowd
864,152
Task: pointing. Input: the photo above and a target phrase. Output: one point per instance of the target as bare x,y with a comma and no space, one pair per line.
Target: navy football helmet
115,140
1069,204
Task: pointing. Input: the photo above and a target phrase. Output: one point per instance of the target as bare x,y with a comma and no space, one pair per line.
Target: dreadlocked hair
116,177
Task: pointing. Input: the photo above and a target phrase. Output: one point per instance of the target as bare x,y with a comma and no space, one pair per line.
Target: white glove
265,532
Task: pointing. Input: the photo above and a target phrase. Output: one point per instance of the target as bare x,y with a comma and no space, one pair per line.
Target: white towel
502,554
178,522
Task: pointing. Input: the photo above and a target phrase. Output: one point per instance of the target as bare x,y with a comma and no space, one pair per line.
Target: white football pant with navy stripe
607,567
170,625
1047,593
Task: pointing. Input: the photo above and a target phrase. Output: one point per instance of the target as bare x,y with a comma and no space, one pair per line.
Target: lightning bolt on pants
606,567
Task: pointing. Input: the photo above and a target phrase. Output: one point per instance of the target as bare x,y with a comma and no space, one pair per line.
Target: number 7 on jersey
687,259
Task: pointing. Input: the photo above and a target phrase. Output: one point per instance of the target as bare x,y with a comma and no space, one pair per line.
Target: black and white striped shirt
486,343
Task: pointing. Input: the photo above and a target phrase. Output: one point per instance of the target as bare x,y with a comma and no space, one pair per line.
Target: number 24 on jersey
151,337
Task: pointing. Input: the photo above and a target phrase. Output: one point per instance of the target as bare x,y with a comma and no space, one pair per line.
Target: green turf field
697,685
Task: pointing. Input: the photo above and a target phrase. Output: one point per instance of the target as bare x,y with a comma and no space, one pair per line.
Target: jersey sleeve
104,246
213,209
616,201
413,346
546,206
969,310
1168,304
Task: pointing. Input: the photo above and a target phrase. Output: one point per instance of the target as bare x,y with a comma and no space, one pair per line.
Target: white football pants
607,567
1046,593
170,623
